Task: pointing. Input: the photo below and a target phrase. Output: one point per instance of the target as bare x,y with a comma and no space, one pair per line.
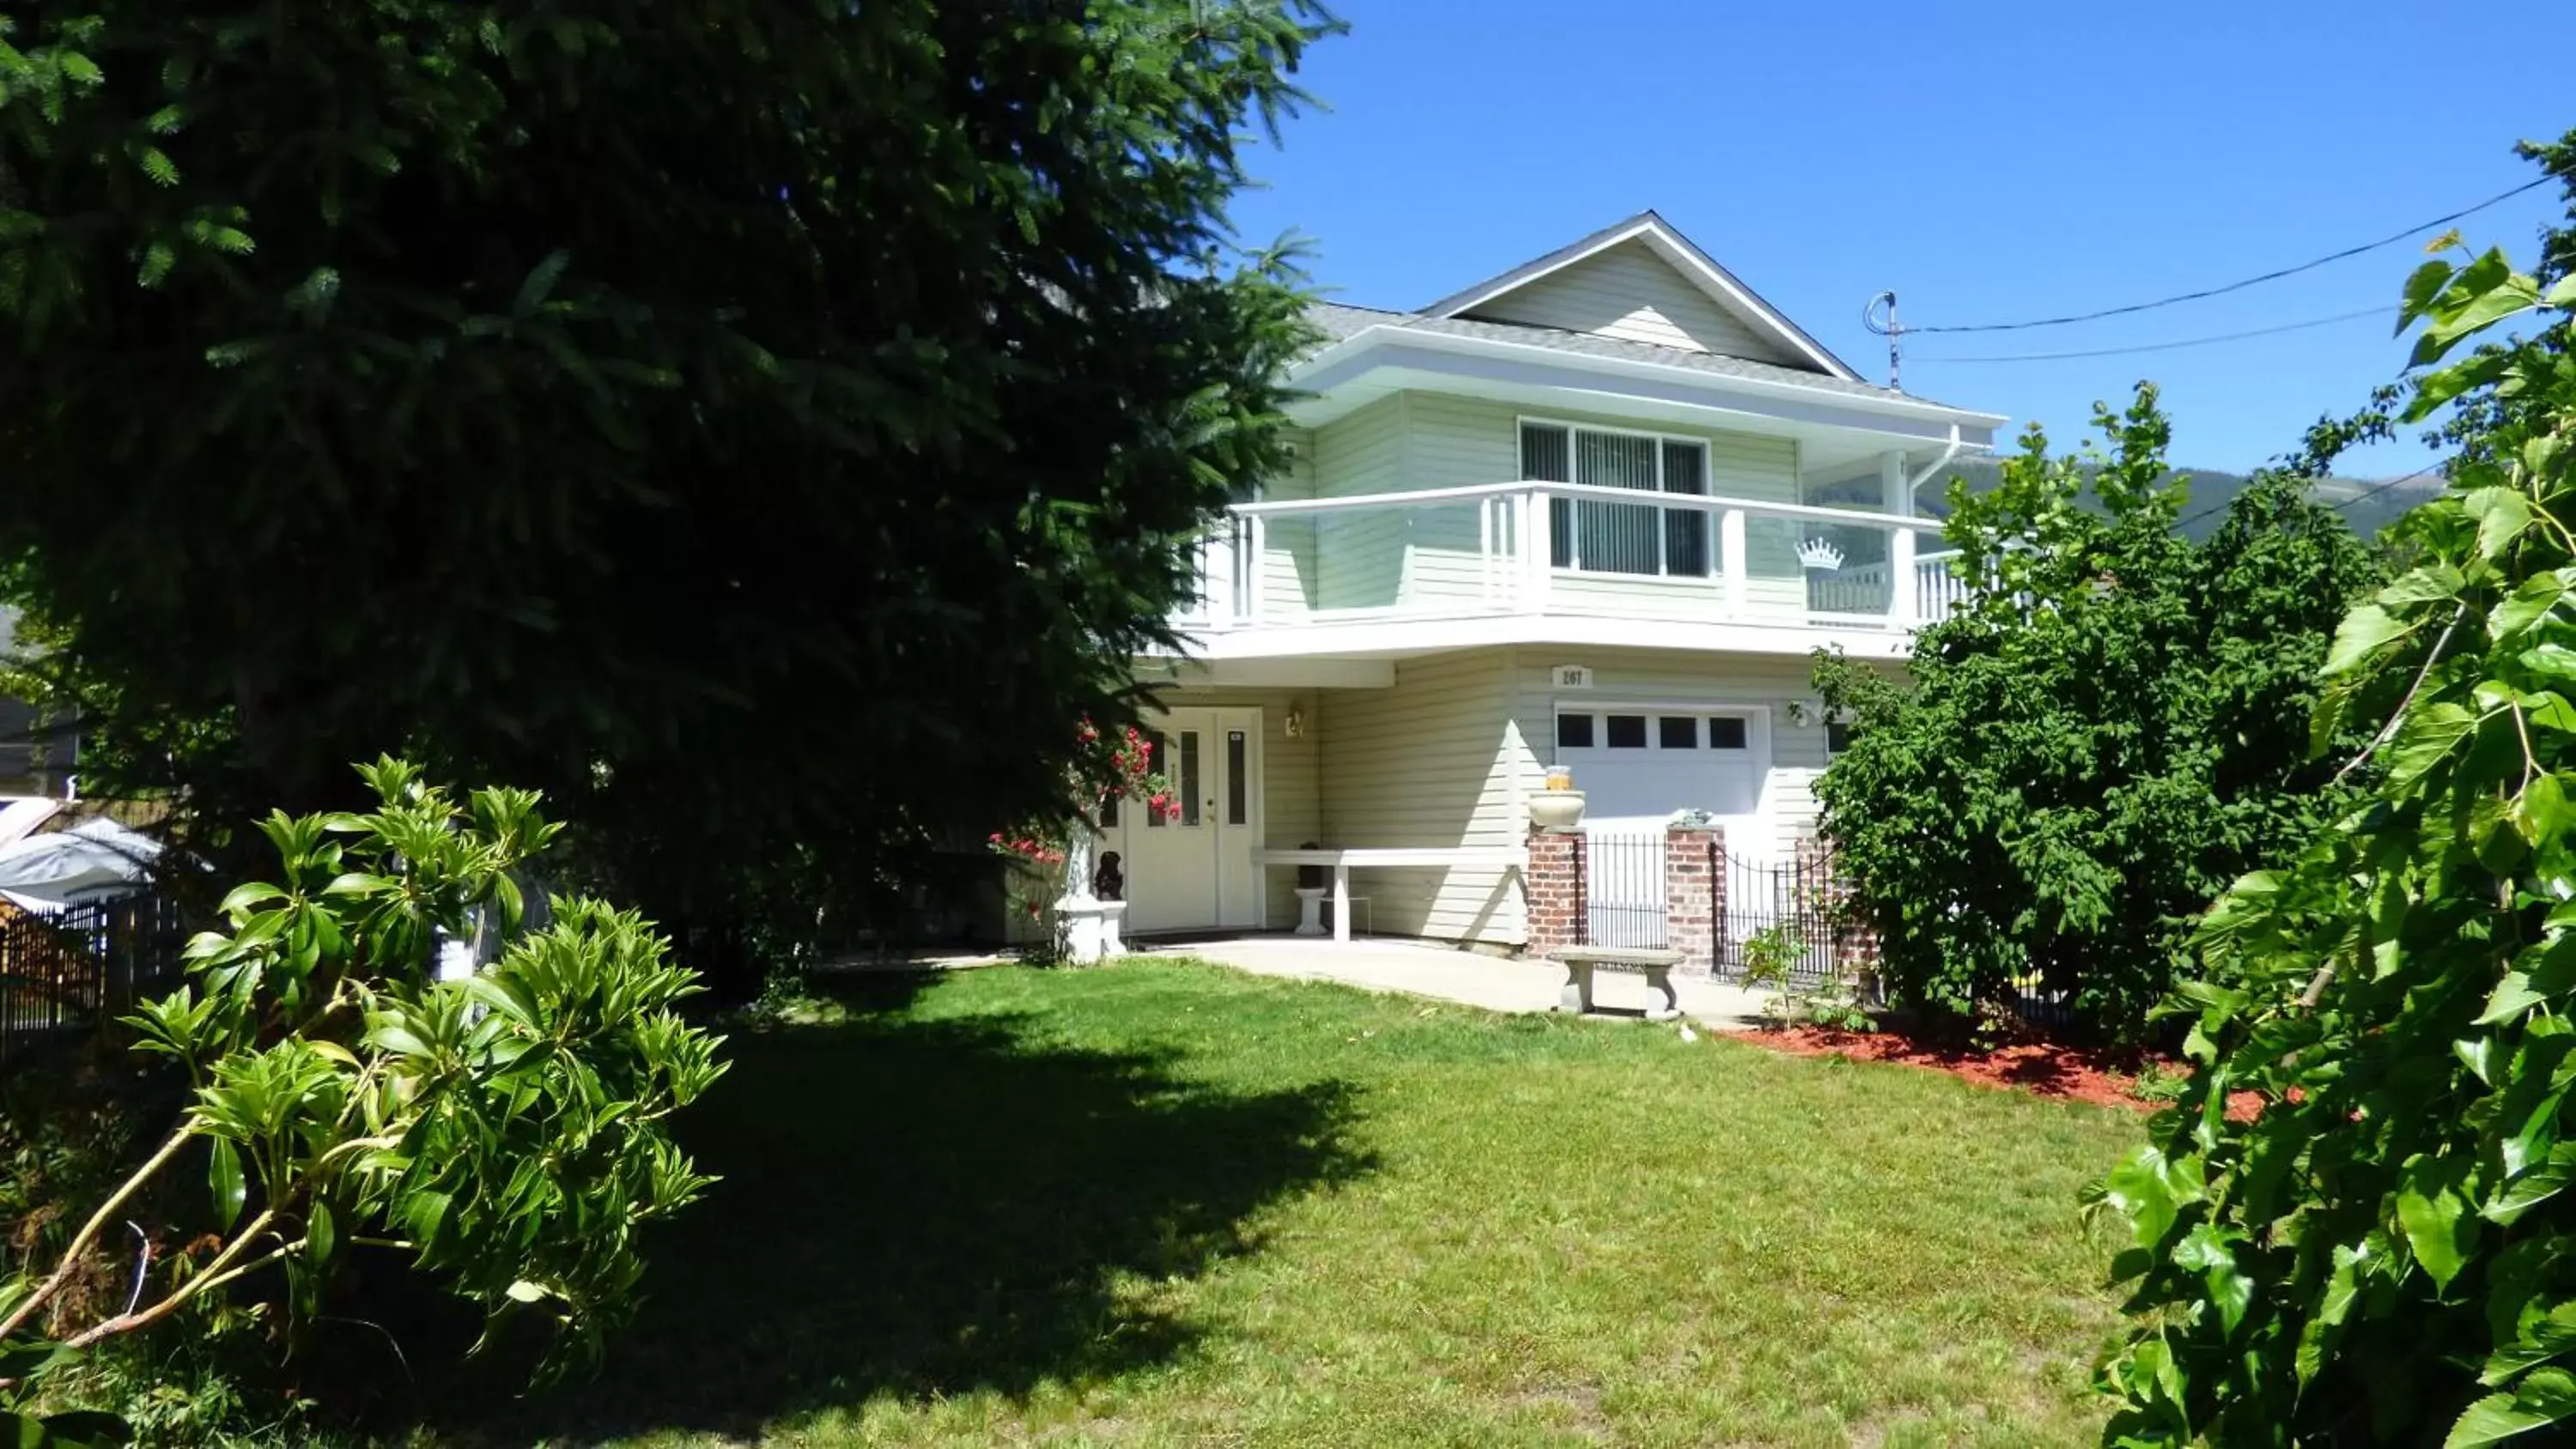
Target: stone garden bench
1653,963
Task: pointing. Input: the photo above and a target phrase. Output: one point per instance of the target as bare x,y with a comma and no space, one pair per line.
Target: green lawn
1165,1204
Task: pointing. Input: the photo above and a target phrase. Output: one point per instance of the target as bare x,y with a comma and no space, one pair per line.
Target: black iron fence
1791,907
1623,888
65,975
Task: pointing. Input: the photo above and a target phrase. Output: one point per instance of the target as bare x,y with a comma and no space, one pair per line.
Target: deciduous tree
2108,731
2387,1252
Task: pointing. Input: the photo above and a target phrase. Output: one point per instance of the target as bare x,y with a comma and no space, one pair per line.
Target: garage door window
1658,731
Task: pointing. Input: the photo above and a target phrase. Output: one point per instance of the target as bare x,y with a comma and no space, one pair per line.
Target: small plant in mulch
2160,1083
1769,956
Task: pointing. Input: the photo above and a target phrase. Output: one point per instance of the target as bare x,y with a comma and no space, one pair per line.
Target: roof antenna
1880,317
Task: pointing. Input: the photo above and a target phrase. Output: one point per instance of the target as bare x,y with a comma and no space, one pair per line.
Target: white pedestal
1091,929
1310,910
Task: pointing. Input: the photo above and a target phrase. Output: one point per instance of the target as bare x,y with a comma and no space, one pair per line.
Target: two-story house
1597,512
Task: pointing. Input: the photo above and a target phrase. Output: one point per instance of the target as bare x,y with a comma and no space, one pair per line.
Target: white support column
1730,559
1485,553
1255,552
1905,591
1538,549
1342,902
1217,575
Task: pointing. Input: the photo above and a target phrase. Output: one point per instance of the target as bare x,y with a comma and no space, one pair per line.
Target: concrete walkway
1494,983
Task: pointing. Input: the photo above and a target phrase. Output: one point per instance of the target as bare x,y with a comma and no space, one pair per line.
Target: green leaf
397,1039
2541,1181
320,1233
2503,516
224,1180
2364,632
2539,1401
78,1429
2435,1217
2430,584
243,897
28,1358
523,1291
2541,811
2530,603
2427,738
2513,995
2484,293
507,998
2423,285
2544,1337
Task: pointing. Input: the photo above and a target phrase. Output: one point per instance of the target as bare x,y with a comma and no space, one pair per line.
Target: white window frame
1829,726
1756,717
1574,541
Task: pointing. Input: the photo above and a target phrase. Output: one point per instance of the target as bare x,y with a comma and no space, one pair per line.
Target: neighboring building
1597,511
39,751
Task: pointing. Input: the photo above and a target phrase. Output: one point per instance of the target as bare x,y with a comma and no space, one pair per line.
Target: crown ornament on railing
1820,554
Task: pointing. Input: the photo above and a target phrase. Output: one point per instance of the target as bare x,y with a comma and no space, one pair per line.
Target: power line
2273,276
2163,346
2362,497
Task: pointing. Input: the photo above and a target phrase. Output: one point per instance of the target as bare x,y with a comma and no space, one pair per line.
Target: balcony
1564,561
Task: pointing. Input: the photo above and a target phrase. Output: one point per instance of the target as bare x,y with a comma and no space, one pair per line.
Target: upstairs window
1621,538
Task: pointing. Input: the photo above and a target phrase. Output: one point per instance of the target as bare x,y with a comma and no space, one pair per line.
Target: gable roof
1695,266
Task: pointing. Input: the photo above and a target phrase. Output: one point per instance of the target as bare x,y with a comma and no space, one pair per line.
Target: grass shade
1162,1203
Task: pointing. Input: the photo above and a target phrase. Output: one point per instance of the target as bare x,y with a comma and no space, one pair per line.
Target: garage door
1636,767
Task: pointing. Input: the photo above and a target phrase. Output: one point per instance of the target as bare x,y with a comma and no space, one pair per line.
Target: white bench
1653,963
1343,862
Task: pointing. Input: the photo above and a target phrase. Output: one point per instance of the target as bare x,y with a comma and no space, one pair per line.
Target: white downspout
1948,456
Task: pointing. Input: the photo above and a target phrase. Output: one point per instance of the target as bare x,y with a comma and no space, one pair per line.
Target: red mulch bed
2045,1069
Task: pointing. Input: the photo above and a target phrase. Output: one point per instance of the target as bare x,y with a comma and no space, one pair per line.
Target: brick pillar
1555,890
1694,894
1855,937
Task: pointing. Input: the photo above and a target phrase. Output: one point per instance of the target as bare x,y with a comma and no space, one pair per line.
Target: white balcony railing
1564,548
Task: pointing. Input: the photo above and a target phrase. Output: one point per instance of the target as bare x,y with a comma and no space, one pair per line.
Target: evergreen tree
764,427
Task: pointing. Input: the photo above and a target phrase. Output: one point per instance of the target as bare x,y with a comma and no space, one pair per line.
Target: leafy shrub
504,1129
2387,1254
2111,728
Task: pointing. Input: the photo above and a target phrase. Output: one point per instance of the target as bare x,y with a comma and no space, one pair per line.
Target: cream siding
1429,763
1640,676
1630,293
1287,564
1291,778
1359,556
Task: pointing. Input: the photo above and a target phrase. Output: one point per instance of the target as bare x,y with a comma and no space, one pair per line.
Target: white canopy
94,860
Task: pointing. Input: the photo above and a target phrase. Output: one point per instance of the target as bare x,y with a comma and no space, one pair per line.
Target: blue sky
1989,162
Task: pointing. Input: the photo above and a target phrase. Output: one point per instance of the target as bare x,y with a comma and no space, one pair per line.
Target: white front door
1193,871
